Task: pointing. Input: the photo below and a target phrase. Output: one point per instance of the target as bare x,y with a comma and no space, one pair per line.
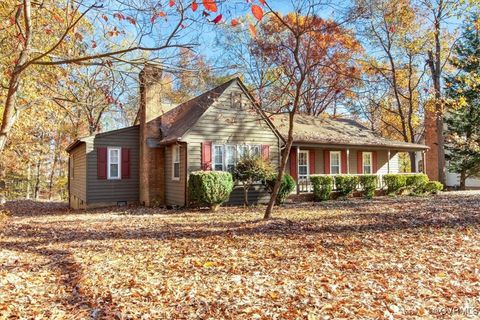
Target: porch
305,161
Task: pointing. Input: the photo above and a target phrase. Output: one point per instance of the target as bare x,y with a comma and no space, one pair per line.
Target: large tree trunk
37,181
413,162
52,176
463,178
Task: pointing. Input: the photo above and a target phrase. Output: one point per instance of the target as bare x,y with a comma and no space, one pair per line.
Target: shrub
368,183
249,170
432,187
394,182
346,184
416,182
211,188
322,187
286,187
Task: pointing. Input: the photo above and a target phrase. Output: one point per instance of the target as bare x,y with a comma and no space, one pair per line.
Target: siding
223,124
104,191
78,173
174,189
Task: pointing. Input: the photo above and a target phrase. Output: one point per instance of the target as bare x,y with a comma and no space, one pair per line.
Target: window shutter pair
360,162
102,163
343,161
207,154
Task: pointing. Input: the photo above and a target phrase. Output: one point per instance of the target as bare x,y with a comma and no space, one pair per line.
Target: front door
303,165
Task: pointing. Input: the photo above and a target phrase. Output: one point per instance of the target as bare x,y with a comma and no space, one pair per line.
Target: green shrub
286,187
394,182
346,184
249,170
211,188
416,182
322,187
368,183
432,187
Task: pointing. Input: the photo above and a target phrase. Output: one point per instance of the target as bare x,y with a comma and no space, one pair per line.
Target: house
149,163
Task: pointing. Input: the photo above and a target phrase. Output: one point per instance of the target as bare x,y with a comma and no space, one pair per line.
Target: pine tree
463,97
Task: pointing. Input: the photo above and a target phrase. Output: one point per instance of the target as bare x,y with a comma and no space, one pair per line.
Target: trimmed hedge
416,182
432,187
368,183
211,188
394,182
286,187
322,187
346,184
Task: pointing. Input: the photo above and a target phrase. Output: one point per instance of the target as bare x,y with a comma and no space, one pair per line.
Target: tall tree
463,98
298,45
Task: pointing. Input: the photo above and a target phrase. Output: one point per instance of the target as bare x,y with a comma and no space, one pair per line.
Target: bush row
416,184
212,188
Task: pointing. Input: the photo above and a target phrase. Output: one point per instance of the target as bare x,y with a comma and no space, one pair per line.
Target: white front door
303,165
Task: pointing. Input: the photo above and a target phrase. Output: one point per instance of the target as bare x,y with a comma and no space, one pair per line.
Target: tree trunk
37,181
29,176
413,162
52,175
463,178
245,196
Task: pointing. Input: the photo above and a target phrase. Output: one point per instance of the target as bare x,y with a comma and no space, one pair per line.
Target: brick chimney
433,126
152,179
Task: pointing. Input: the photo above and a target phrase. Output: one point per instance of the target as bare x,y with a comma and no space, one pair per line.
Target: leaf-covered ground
387,258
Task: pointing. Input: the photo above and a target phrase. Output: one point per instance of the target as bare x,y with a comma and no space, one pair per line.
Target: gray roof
315,130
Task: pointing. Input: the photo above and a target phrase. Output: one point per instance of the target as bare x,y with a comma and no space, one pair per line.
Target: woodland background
70,68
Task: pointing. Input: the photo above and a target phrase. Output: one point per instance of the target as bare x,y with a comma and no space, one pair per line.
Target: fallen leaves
384,258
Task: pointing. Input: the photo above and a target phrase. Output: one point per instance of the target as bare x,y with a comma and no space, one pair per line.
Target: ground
406,257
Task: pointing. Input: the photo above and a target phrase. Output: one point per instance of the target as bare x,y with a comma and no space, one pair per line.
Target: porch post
416,162
298,184
348,161
388,161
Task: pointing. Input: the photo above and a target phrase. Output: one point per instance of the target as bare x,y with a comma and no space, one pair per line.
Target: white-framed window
114,163
176,162
335,162
236,100
226,156
303,165
367,162
218,157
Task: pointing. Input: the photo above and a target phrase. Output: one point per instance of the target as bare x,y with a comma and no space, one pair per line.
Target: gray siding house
149,163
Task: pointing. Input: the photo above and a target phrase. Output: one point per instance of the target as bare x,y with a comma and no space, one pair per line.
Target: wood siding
78,177
174,189
224,124
109,192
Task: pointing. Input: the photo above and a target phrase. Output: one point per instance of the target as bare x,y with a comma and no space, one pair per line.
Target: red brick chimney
152,179
435,162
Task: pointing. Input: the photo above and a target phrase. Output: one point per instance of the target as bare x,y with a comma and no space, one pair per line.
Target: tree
463,98
392,96
290,44
251,169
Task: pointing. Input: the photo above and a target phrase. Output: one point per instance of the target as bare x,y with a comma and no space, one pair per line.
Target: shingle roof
315,130
176,122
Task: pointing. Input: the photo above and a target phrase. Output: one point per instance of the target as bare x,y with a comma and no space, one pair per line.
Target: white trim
175,152
307,152
371,162
339,161
109,176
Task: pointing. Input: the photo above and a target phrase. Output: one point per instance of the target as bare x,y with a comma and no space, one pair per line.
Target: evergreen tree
463,97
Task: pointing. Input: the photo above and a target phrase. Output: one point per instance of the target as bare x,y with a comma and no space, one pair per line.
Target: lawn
385,258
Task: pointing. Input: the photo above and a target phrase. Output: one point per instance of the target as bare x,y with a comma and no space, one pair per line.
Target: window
113,163
236,100
230,156
367,162
225,157
303,164
335,167
176,163
218,158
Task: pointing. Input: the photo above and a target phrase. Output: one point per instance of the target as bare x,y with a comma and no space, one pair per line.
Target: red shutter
125,163
102,163
359,162
311,160
326,161
265,152
293,163
344,161
374,162
207,155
